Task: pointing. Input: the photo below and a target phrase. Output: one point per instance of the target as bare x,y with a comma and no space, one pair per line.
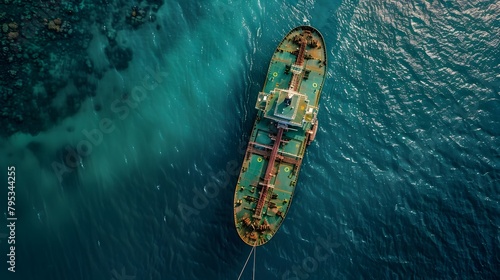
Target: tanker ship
285,125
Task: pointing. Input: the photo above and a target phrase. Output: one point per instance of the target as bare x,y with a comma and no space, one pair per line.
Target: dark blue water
129,171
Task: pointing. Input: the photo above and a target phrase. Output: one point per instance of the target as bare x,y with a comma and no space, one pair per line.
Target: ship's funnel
288,99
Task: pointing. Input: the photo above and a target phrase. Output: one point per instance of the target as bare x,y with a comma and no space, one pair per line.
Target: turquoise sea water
401,182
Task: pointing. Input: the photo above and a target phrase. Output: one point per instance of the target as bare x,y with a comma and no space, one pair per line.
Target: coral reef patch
43,48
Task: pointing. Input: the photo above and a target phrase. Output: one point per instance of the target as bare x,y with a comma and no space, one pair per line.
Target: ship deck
280,135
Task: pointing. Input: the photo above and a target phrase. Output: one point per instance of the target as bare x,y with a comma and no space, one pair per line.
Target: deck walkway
269,174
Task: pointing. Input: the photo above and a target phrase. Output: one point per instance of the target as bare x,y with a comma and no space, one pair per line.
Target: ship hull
285,125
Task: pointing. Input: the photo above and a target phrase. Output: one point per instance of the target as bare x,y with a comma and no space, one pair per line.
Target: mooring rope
246,262
254,254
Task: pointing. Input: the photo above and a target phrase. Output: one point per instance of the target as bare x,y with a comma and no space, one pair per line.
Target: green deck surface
300,117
